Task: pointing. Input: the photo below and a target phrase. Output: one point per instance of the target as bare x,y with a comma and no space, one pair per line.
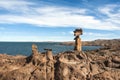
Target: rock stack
49,65
78,42
44,63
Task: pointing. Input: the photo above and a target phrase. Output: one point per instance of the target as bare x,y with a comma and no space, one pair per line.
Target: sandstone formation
38,66
78,43
102,64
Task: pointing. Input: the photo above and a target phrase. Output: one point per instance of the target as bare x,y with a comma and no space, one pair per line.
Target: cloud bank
24,12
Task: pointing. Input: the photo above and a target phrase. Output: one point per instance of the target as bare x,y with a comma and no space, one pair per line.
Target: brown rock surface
103,64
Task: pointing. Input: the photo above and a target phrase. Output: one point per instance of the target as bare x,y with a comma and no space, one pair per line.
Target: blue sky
55,20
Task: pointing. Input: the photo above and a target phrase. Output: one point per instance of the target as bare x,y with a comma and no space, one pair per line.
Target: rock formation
102,64
78,43
49,65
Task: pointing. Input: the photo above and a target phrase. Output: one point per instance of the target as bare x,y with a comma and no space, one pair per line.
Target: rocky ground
102,64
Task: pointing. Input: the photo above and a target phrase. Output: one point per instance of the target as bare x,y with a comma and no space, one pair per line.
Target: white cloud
109,10
52,16
71,32
94,35
112,12
99,34
51,10
16,5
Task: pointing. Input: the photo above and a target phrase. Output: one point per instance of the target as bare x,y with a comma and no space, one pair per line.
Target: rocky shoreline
102,64
113,43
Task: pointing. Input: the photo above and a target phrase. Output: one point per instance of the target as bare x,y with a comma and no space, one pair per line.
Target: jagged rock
49,65
70,65
108,75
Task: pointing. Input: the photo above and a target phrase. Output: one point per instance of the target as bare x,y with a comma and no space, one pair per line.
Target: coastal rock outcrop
71,66
108,44
102,64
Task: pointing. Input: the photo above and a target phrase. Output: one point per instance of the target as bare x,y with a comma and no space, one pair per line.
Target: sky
55,20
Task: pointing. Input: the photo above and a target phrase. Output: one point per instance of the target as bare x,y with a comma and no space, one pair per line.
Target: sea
24,48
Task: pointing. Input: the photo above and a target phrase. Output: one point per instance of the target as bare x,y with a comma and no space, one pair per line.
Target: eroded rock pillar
39,61
34,49
78,42
49,65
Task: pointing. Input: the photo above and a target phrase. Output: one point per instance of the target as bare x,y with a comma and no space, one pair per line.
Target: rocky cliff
103,64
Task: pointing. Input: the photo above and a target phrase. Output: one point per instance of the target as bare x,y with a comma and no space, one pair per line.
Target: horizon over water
24,48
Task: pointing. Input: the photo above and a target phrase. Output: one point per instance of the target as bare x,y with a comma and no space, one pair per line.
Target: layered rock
38,66
70,65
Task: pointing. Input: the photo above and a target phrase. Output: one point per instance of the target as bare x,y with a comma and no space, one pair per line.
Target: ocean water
24,48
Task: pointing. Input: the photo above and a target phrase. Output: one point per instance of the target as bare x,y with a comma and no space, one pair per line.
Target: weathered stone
78,43
103,64
49,54
49,65
108,75
34,49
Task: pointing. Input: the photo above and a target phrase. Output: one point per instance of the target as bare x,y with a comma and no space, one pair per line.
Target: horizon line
59,41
